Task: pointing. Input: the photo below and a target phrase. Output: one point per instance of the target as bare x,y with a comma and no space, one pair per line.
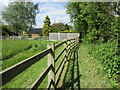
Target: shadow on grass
72,75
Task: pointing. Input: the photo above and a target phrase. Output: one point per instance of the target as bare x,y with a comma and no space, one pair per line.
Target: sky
55,9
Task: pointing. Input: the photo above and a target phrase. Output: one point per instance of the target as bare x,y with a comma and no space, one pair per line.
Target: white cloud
40,0
64,19
39,19
55,11
3,3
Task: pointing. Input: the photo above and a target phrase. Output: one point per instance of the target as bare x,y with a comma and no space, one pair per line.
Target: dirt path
83,72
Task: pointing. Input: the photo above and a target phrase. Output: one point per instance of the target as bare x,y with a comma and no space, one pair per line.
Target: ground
84,72
80,71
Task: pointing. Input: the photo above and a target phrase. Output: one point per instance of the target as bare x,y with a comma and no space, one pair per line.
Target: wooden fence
51,71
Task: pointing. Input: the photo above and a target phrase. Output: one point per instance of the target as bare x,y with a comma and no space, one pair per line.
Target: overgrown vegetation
98,23
106,55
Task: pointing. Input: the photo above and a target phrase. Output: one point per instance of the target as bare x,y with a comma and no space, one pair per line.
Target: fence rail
53,80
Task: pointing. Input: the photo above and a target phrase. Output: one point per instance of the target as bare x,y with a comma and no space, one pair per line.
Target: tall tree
20,15
47,27
91,17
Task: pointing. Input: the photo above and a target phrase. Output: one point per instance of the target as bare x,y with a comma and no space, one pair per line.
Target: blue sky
55,10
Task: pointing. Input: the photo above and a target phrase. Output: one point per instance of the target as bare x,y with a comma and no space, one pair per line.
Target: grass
20,50
84,72
13,47
27,77
91,71
80,71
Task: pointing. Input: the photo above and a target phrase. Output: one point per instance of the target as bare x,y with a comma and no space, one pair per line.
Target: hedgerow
106,54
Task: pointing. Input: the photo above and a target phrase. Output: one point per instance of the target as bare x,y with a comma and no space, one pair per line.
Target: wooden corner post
51,60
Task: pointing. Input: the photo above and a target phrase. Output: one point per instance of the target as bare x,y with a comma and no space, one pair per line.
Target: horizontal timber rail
16,69
51,71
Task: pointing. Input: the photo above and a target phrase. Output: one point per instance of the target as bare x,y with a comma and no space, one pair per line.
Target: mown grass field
14,51
27,77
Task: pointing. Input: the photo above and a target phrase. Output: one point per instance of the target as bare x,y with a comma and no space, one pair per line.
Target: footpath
82,71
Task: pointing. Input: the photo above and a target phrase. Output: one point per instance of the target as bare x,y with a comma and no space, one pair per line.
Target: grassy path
83,72
92,74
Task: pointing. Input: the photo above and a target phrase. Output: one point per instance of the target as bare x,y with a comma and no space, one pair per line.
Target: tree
88,17
57,27
66,27
46,27
20,15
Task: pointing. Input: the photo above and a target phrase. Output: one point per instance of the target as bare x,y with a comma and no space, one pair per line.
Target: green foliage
87,16
7,30
20,15
92,35
46,27
61,28
57,27
68,31
66,27
98,24
115,29
106,54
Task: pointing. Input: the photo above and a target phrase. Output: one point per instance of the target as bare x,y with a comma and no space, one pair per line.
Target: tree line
20,17
95,20
55,27
99,25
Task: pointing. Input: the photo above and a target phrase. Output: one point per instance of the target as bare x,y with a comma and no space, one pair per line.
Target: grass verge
35,47
27,77
84,72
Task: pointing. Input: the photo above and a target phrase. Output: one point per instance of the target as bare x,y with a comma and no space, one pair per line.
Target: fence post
51,60
65,46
